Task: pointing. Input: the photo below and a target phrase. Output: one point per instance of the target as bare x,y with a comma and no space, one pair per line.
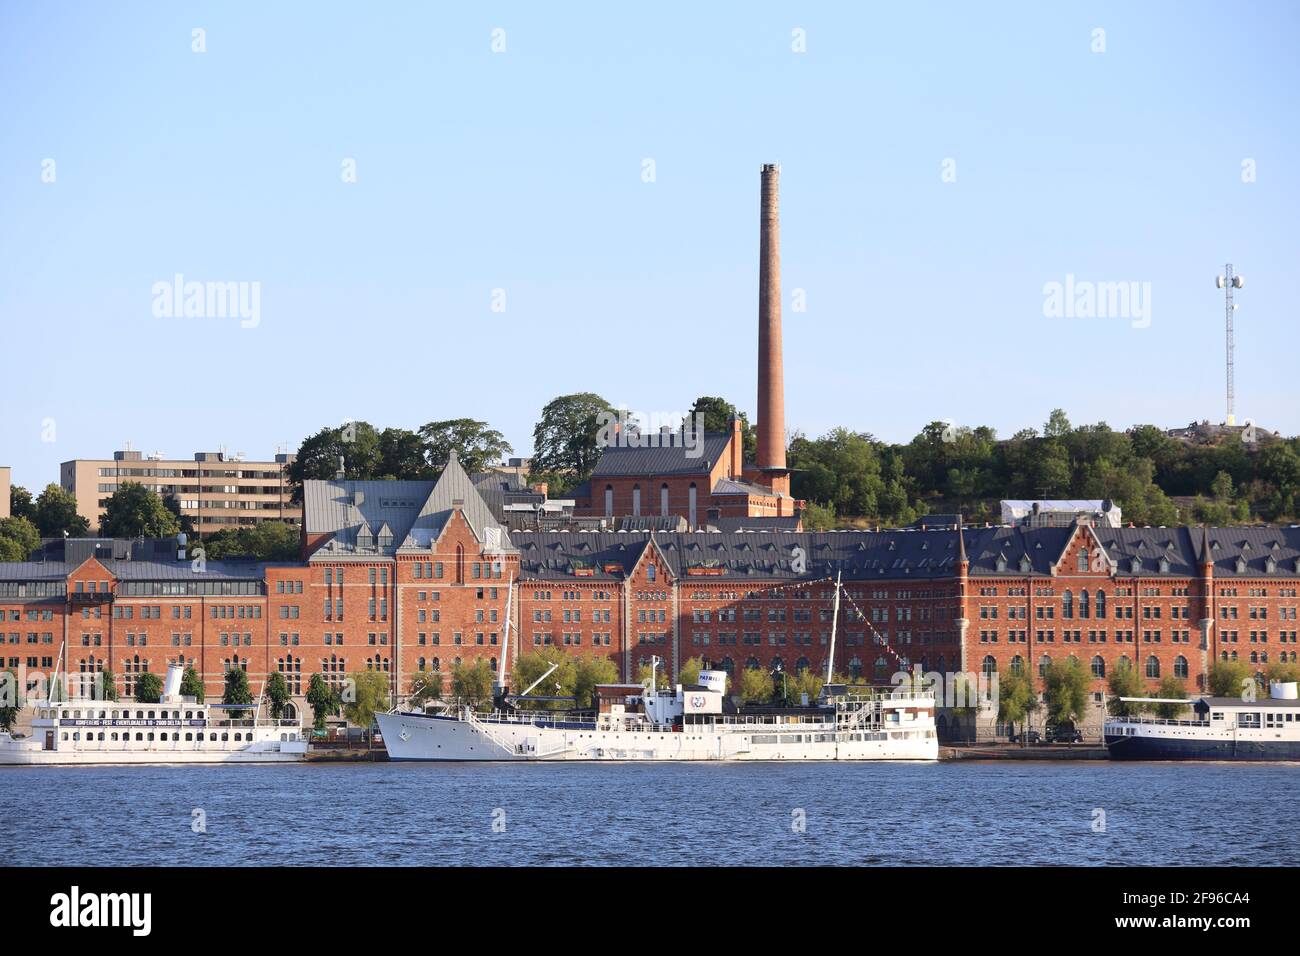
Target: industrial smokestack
771,381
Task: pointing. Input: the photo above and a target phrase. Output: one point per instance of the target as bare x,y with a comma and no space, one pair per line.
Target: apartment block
216,491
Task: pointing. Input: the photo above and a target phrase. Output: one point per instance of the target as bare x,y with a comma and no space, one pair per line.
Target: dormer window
1024,564
1135,565
1001,563
1164,565
365,539
1241,565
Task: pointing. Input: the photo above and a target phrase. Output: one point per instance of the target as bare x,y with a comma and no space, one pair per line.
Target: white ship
687,722
1220,728
174,730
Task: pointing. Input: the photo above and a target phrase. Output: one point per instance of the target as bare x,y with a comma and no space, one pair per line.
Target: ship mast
835,620
505,643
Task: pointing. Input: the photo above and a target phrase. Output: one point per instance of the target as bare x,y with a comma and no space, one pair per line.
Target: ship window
1217,716
139,736
189,736
65,736
113,736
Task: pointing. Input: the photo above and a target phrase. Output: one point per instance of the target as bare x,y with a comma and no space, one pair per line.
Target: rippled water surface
444,814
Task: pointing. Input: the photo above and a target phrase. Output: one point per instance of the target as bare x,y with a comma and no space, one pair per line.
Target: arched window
778,665
1067,605
1123,662
939,664
636,501
801,665
990,666
1083,603
609,501
1180,666
1098,666
855,668
752,664
881,668
1083,559
1017,665
1153,666
1101,603
1044,663
728,665
663,499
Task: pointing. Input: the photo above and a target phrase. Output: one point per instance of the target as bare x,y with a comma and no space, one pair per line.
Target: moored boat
1220,728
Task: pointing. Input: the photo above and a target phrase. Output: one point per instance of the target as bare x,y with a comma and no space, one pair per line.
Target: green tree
18,539
56,513
322,699
756,686
565,447
1171,688
277,694
264,541
367,696
689,672
1124,681
425,686
357,443
818,517
403,454
192,684
9,697
471,684
1282,673
661,675
587,673
1016,699
531,665
1065,690
718,413
237,690
148,688
107,689
134,510
1229,678
21,504
477,446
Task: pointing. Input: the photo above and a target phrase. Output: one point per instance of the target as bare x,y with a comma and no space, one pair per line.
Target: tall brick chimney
771,383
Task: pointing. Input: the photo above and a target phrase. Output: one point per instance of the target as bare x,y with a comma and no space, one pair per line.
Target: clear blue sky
522,170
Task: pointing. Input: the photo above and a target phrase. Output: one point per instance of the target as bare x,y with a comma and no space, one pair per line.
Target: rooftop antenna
1227,282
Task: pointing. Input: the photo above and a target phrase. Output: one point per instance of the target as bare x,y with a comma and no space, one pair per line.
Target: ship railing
1169,722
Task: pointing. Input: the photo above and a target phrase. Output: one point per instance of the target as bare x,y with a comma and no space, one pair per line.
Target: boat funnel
172,685
714,680
1283,690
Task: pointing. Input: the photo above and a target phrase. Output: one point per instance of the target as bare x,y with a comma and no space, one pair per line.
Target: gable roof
655,462
415,512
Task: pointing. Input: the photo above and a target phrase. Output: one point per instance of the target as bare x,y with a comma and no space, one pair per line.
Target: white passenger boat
1218,728
174,730
685,722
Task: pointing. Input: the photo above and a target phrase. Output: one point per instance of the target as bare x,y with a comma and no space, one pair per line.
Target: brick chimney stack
771,383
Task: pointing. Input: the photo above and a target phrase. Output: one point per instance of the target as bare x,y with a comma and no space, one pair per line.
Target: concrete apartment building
215,491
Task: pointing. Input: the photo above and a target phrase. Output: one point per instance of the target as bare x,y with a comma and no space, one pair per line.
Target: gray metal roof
662,462
353,513
158,569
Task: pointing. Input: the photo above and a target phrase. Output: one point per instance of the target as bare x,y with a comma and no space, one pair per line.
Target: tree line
849,478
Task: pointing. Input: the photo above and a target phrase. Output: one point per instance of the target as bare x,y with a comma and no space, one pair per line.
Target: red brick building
401,577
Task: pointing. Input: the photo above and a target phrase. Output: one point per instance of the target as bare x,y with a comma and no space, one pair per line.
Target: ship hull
446,738
22,757
1151,747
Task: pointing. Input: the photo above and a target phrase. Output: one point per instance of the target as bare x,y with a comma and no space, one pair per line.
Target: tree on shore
192,684
368,695
1016,700
1065,690
471,684
756,686
1171,687
1230,678
1124,681
148,688
277,694
424,687
237,690
587,673
107,689
322,699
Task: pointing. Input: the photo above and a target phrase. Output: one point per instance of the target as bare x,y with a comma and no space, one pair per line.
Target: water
950,813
